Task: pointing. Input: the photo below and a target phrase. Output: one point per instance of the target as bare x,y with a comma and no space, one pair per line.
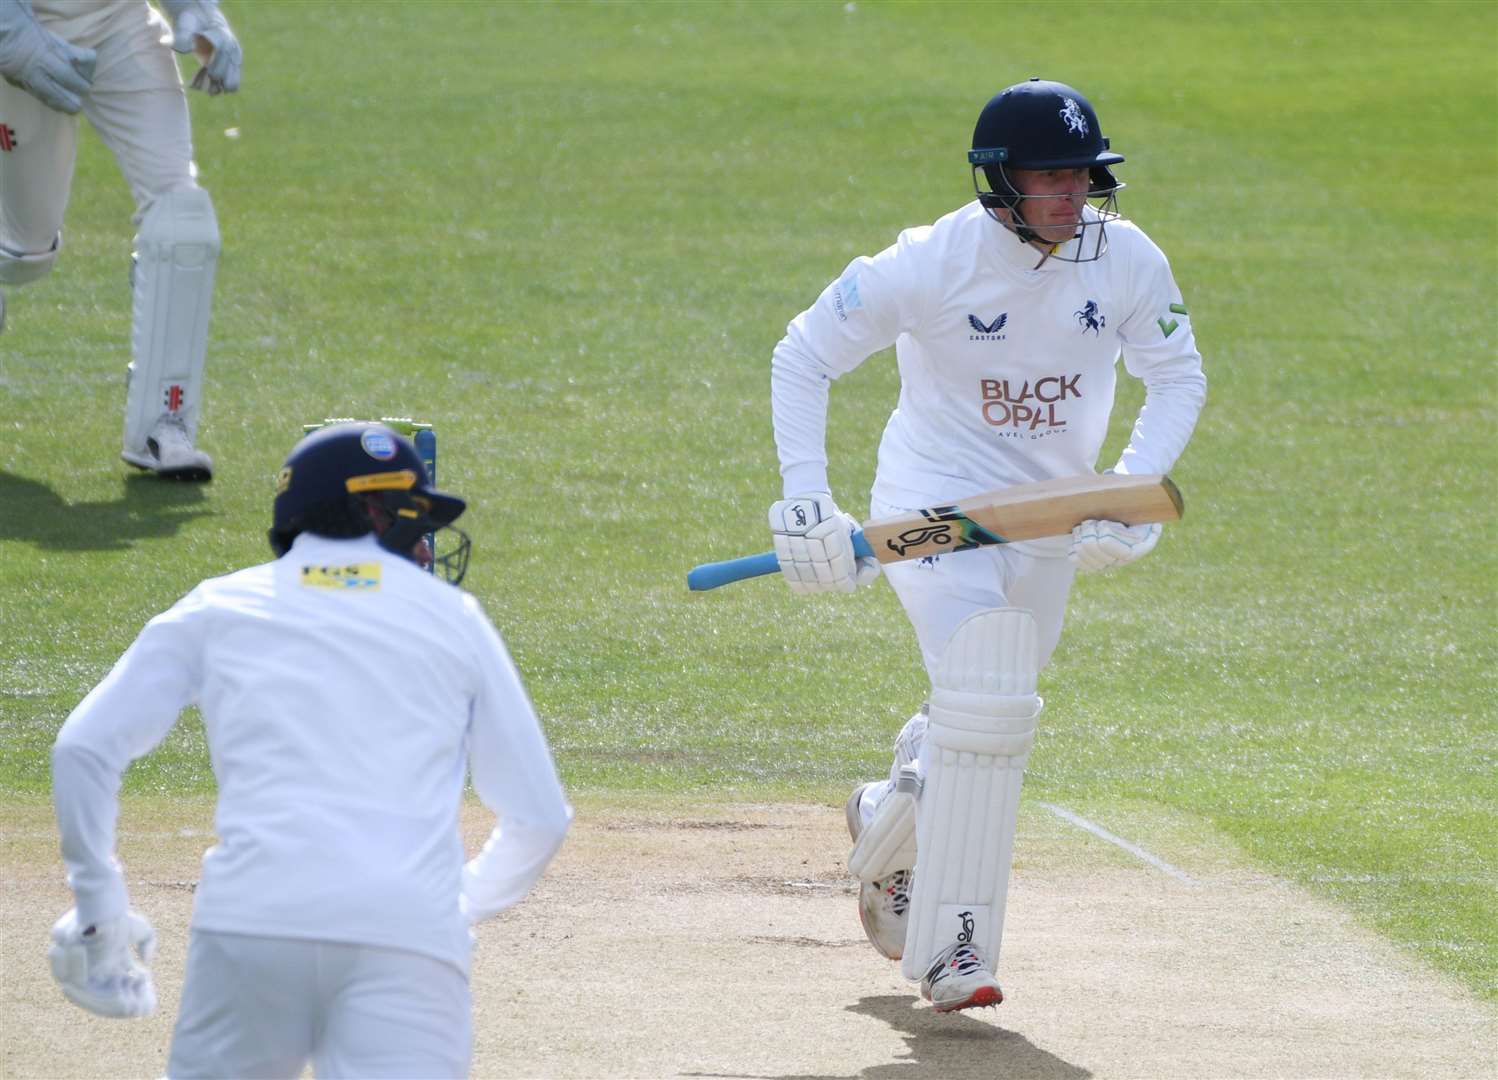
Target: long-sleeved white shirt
1007,372
345,693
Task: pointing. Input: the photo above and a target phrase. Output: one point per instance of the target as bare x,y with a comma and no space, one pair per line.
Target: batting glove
814,545
1102,545
95,968
200,28
41,63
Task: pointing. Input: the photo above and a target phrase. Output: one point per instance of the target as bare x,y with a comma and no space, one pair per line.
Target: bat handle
711,575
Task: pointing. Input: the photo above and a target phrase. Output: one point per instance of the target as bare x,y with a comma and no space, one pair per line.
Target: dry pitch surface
723,941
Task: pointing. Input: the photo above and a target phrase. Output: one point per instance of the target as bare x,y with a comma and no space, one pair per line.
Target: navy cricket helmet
350,479
1039,125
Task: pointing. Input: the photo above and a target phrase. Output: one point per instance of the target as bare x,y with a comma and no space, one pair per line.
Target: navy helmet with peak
1039,125
351,479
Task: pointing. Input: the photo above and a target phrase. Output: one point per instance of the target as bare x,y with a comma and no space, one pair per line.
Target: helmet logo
1071,115
378,445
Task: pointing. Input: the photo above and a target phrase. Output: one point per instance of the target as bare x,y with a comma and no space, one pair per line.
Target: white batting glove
38,61
814,545
1102,545
95,968
200,28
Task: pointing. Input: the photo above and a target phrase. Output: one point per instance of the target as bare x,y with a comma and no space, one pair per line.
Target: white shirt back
343,690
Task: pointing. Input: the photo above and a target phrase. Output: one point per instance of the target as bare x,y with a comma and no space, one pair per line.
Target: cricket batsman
112,60
1008,317
345,693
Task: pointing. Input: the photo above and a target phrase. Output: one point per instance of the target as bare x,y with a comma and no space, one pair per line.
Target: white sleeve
862,312
1160,349
121,719
514,775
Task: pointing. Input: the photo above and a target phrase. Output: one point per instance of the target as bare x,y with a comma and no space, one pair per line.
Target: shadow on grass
148,508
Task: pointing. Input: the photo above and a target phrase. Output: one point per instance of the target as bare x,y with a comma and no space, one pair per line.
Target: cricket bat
1022,512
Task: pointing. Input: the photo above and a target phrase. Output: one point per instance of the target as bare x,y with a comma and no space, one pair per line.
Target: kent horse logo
1089,318
948,525
988,328
1071,115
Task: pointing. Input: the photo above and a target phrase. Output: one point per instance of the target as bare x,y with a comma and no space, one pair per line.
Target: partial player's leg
249,1008
38,147
981,726
140,111
392,1013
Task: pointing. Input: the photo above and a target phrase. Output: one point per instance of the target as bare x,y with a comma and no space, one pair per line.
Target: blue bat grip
711,575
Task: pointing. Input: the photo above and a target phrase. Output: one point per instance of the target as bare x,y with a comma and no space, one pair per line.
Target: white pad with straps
887,843
17,268
176,251
982,724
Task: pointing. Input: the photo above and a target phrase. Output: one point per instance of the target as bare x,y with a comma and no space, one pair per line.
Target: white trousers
265,1007
137,106
939,593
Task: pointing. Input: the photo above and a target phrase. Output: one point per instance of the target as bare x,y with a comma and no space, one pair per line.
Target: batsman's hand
200,28
814,545
1102,545
95,967
38,61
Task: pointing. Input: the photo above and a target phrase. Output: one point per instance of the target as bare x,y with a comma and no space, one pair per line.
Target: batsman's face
1053,201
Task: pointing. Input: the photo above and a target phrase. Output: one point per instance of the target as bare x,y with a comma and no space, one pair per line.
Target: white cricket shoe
959,979
884,905
170,454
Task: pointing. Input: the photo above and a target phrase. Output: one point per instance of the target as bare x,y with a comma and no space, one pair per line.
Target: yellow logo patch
354,576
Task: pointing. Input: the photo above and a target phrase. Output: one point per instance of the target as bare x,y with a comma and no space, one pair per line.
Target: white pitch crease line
1133,849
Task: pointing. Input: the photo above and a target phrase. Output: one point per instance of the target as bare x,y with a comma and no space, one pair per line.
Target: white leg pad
17,268
887,843
982,724
176,251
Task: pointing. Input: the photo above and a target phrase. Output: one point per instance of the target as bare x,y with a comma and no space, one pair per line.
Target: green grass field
571,234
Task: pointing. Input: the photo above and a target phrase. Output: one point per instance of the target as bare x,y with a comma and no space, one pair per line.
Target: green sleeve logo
1168,326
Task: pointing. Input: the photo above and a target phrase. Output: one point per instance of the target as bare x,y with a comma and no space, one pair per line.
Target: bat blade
1025,512
1022,512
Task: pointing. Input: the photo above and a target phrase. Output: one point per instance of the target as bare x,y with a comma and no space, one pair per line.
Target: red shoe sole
983,997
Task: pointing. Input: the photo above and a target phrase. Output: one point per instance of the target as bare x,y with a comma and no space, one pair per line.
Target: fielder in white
346,692
1008,317
113,61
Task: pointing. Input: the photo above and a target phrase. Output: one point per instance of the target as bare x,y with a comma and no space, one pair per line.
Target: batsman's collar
1020,257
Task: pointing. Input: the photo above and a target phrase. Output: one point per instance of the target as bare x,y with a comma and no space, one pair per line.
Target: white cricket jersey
1007,371
345,692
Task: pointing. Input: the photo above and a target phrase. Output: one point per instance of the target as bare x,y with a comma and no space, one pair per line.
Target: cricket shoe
959,979
883,905
170,454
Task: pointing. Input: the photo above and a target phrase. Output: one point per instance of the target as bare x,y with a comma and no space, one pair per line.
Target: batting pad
176,251
982,725
887,843
18,269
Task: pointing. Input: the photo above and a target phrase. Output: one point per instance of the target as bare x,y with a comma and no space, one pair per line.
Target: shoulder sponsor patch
353,576
845,297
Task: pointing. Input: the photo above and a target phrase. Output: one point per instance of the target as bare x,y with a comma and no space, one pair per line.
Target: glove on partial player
1102,545
814,545
95,968
41,63
200,28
